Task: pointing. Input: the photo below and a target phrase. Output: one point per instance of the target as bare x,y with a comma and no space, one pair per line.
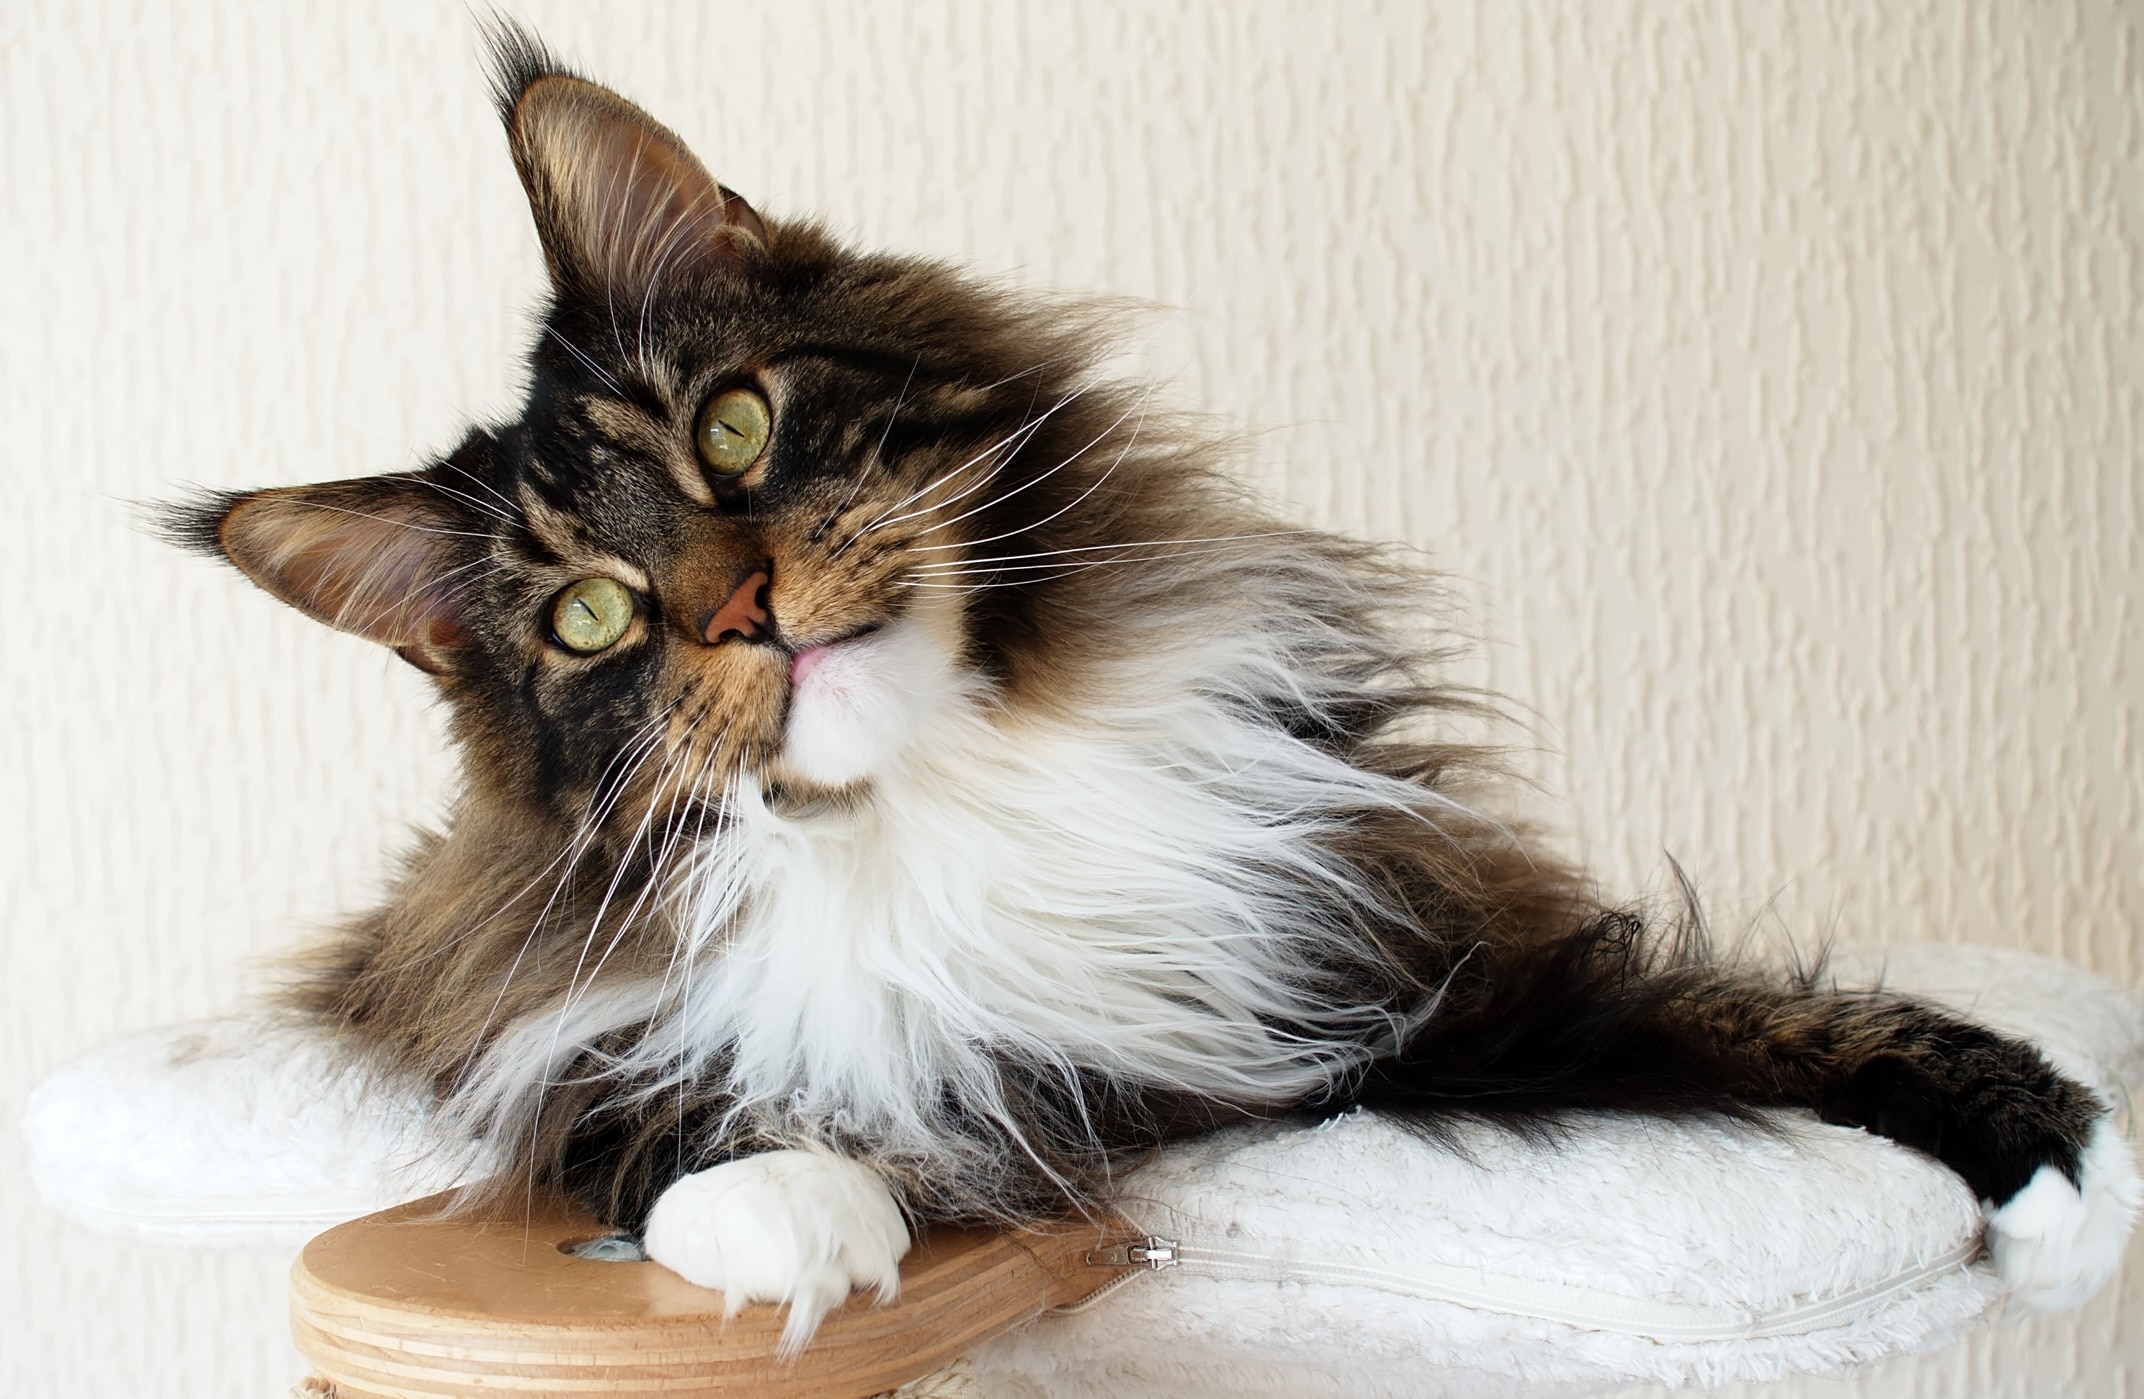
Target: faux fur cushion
1350,1258
237,1133
1354,1259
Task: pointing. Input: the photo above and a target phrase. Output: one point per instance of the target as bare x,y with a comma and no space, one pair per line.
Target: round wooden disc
412,1303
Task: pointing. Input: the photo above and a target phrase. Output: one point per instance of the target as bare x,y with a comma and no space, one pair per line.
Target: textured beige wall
1767,373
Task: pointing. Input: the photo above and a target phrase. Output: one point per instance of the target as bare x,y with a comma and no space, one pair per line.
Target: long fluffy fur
1144,812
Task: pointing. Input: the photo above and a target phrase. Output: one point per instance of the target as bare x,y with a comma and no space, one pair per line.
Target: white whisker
596,369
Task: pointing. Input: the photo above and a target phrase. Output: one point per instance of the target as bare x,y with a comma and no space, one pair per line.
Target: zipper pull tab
1152,1253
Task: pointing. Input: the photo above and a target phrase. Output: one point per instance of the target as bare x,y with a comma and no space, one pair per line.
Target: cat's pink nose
745,616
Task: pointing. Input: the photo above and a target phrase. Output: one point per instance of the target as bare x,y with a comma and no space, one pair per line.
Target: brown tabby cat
904,780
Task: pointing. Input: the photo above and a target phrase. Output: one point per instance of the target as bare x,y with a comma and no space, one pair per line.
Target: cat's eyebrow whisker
647,301
483,485
673,241
1012,442
410,525
1096,548
993,457
596,369
944,478
1094,486
610,289
1036,368
989,584
1028,429
1138,408
1029,424
1042,573
878,451
366,613
476,503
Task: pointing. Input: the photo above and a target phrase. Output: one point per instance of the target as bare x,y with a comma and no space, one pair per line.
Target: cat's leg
1601,1021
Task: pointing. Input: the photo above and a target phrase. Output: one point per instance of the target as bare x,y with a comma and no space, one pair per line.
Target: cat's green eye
732,431
591,615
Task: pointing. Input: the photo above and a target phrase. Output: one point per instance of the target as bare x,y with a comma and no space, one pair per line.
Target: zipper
1152,1253
1581,1308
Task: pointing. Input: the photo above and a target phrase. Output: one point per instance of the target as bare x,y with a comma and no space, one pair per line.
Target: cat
906,780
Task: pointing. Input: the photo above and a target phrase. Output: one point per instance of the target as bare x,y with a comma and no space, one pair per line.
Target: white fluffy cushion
1344,1259
236,1133
1635,1251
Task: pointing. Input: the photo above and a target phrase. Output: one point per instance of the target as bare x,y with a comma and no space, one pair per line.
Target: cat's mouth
807,659
857,701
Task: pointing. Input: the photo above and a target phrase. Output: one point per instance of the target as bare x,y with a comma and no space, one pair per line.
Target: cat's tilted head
766,501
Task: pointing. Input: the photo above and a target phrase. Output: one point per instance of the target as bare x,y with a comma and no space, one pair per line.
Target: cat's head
768,500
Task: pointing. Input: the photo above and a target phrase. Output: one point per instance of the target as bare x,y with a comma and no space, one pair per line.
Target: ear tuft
193,523
621,206
516,58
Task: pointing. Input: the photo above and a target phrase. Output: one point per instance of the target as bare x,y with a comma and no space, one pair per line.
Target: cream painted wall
1767,373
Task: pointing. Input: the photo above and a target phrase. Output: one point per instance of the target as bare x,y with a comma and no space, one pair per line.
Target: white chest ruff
1049,895
1133,893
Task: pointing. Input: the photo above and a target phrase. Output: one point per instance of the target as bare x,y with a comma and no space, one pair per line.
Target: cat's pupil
733,431
592,614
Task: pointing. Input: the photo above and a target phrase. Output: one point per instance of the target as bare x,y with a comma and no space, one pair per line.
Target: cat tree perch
405,1304
1348,1258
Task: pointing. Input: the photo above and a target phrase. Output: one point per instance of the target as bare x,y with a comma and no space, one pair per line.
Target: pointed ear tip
553,97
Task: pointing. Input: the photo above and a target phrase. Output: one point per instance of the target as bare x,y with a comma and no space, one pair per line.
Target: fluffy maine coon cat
905,782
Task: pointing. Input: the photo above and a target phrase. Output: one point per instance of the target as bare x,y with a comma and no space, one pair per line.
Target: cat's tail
1615,1017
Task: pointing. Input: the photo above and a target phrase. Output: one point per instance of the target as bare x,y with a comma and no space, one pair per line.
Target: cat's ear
621,206
385,557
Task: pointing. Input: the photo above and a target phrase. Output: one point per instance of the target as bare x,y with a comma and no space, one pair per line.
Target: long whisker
617,878
1027,426
878,451
1094,548
411,525
596,369
697,805
558,1026
1028,574
476,503
631,756
673,830
1139,408
1013,440
610,296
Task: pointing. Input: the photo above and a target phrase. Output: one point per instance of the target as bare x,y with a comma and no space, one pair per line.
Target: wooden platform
407,1304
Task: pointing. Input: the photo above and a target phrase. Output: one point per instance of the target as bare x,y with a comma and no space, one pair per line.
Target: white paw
801,1227
2053,1244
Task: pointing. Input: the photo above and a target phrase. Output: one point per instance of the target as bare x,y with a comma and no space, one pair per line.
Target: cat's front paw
2055,1242
799,1227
